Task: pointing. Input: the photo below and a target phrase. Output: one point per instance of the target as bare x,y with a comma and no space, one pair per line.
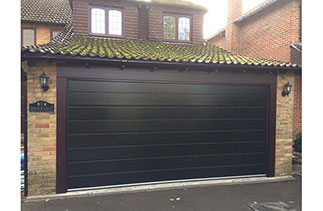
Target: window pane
169,27
115,22
54,33
28,37
97,21
184,28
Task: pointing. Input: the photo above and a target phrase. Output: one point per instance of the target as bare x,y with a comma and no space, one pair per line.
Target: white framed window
54,33
28,37
115,22
184,28
105,21
98,21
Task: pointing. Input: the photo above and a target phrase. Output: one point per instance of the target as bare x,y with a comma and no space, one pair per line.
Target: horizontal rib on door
85,127
133,139
134,132
162,175
90,154
133,99
111,113
122,165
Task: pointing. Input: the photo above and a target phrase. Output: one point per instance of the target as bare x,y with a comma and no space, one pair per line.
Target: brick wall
41,130
269,33
80,16
284,125
43,31
297,105
231,31
219,41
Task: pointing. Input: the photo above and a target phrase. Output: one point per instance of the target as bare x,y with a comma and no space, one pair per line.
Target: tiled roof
46,11
68,43
183,3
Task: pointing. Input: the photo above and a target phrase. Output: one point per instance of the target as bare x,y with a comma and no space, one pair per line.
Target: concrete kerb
159,187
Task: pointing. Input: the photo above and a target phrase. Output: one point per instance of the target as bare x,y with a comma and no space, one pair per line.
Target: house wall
43,31
269,33
284,125
132,28
219,41
41,129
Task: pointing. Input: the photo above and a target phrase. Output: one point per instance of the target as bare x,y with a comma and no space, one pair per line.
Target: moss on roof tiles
46,11
68,43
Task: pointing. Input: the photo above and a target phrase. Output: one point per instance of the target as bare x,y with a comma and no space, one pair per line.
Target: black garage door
135,132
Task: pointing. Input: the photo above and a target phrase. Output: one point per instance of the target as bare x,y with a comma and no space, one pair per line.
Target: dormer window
176,27
105,21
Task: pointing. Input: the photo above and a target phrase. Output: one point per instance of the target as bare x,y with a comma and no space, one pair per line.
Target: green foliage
298,143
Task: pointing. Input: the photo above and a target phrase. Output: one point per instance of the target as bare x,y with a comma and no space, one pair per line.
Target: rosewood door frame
63,75
61,91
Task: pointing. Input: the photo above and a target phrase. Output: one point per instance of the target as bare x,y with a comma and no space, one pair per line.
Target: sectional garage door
137,132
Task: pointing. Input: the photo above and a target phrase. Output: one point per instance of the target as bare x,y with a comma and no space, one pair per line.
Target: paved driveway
221,197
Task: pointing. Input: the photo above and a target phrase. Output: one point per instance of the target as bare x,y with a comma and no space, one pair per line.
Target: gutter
295,44
152,64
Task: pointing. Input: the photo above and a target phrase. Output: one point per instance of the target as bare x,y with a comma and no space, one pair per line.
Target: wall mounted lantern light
287,89
43,78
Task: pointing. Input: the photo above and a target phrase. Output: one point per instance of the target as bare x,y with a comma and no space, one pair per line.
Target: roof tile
68,43
46,11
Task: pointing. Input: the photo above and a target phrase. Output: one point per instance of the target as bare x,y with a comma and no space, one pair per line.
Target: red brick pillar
41,130
284,125
231,31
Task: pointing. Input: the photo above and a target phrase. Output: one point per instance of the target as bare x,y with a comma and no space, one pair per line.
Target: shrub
298,143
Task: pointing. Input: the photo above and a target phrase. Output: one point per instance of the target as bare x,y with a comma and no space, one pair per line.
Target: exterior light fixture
43,78
287,89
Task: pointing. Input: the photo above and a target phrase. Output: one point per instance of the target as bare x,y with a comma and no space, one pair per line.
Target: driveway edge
160,187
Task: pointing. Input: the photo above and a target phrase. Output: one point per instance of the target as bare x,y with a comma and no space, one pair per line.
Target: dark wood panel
99,113
61,136
170,88
164,99
107,126
125,139
170,74
85,168
162,151
177,174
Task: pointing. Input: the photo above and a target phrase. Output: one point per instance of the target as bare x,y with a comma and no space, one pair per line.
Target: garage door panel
174,174
171,88
126,165
132,132
90,154
134,139
115,113
122,99
85,127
